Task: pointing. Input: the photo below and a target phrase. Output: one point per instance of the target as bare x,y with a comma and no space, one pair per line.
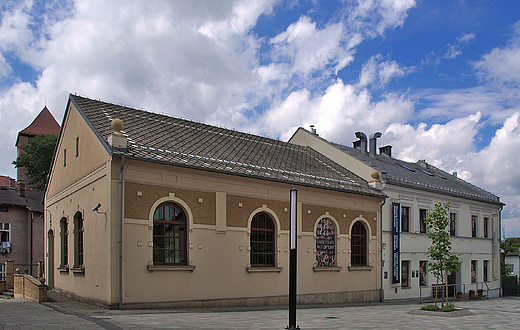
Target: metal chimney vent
373,142
363,142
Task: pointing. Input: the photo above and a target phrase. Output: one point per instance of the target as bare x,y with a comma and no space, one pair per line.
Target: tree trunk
436,291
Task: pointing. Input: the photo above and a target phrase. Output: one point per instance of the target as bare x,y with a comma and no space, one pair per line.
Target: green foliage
442,260
431,308
37,159
450,307
509,246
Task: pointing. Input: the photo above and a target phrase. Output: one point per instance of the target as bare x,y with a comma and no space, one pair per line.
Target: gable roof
420,175
32,199
163,139
44,123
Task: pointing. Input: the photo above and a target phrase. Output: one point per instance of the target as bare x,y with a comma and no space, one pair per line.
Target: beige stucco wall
221,257
305,138
78,186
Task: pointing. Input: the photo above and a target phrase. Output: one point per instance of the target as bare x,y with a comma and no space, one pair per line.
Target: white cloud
456,49
379,73
502,65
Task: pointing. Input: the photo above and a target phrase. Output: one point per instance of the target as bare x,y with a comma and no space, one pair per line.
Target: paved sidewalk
64,313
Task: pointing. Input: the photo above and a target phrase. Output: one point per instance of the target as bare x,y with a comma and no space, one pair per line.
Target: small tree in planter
442,260
480,292
471,294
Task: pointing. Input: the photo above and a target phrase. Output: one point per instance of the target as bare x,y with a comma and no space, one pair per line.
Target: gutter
121,232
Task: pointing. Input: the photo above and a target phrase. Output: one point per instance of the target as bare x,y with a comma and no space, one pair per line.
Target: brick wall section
9,273
28,287
2,286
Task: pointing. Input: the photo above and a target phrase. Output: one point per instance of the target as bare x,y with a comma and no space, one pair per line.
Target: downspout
121,232
381,294
500,249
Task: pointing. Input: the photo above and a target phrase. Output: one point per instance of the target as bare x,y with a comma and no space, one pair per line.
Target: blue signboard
396,217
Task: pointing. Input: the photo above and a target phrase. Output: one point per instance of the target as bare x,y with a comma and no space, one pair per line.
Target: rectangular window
3,208
453,224
486,227
473,275
77,146
64,157
474,225
423,273
485,271
423,214
405,219
5,232
405,274
64,243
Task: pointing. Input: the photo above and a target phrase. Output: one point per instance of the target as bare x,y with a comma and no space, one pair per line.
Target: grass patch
450,307
431,308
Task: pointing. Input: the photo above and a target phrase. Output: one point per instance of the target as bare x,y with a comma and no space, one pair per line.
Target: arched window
358,244
64,235
169,235
78,240
326,243
262,241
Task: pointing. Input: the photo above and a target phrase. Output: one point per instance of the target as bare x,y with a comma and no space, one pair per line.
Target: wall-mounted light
96,208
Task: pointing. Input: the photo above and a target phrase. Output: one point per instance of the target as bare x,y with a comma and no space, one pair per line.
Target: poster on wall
326,243
396,216
422,273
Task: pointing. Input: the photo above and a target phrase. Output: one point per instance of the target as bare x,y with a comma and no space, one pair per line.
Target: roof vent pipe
386,150
363,141
373,142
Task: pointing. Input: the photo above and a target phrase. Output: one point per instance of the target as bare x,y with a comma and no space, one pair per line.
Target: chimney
454,174
373,142
386,150
12,183
21,188
362,142
117,139
313,130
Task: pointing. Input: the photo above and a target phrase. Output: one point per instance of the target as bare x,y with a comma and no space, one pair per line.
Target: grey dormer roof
163,139
422,176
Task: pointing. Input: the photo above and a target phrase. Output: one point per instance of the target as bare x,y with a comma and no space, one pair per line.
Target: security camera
96,208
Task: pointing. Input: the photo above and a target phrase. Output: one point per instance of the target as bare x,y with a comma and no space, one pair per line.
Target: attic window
77,146
430,174
409,169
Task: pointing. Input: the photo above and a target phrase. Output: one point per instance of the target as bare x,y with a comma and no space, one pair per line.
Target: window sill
326,269
152,268
359,268
78,270
406,287
264,269
63,269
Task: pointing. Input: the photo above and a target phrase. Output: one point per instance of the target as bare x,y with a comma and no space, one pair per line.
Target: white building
413,189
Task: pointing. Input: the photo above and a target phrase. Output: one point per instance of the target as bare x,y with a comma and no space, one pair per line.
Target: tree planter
480,292
458,295
471,294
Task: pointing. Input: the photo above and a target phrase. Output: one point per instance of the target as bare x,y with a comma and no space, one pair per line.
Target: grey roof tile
160,138
422,176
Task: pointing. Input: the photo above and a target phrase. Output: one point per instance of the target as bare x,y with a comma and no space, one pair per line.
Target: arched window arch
262,241
358,244
326,243
170,235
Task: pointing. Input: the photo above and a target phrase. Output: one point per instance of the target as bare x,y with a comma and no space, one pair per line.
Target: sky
440,79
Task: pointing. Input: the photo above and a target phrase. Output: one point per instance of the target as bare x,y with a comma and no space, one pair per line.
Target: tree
509,246
442,260
37,159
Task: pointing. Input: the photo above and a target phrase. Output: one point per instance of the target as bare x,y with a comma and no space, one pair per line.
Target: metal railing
427,293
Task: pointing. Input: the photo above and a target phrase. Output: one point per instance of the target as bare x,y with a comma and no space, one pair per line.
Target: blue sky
439,79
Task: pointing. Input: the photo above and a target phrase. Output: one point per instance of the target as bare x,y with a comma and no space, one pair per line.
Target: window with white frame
423,214
486,227
5,232
474,225
453,224
2,272
405,218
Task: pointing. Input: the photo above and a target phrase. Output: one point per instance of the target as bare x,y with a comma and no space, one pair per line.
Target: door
452,280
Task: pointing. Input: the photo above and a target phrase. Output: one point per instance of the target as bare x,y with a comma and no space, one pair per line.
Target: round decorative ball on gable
376,177
118,126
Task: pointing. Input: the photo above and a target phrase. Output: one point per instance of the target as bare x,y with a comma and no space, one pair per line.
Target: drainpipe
121,232
381,294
